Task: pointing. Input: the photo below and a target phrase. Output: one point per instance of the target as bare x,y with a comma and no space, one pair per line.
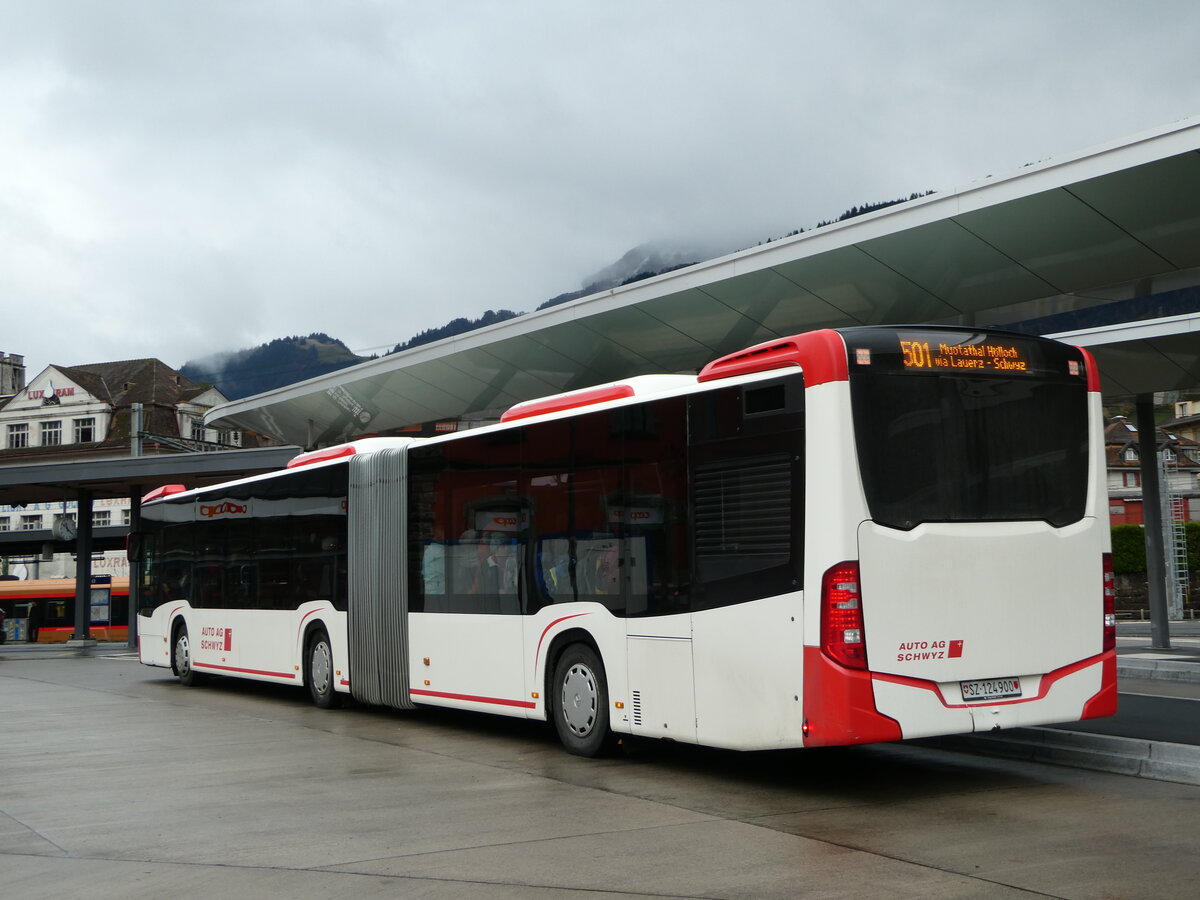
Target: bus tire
579,695
181,658
319,670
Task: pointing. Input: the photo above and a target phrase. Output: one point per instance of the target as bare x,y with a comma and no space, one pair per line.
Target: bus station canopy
1143,357
1105,228
52,481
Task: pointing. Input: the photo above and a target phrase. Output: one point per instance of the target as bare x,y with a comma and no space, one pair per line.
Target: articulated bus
840,537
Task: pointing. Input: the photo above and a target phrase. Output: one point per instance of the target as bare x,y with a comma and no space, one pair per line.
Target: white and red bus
841,537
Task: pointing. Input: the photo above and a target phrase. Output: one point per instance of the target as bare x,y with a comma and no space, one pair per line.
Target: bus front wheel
182,658
320,671
580,697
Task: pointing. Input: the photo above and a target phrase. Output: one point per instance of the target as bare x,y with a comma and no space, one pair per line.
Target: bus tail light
842,636
1110,604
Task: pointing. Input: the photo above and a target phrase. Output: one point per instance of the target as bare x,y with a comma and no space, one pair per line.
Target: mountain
287,360
281,362
642,262
456,327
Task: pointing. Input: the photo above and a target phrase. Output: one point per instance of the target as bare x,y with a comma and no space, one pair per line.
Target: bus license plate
990,689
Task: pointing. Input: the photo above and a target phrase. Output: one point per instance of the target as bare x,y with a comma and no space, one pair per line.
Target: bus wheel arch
317,668
577,695
182,658
558,644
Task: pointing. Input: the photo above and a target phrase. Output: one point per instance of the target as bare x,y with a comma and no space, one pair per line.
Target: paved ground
116,782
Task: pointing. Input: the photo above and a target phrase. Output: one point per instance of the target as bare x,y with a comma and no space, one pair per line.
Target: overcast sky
182,178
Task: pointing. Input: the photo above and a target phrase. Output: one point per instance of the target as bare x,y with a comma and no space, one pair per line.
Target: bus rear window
949,448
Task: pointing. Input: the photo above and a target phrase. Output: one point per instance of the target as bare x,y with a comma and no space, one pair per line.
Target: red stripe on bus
200,665
495,701
1048,681
538,654
303,619
50,634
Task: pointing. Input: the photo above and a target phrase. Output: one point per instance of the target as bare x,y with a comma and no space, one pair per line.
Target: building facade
1180,472
97,411
66,412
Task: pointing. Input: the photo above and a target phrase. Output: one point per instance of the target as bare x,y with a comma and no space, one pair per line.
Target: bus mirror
134,546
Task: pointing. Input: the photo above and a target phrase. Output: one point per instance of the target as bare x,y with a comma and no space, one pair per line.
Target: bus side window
654,510
467,489
746,467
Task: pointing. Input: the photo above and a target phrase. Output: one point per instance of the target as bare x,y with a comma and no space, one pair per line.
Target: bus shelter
131,477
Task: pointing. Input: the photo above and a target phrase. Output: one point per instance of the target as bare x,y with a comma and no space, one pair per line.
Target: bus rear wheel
320,671
181,658
580,699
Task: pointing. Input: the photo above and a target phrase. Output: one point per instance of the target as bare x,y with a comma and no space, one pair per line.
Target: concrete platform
118,782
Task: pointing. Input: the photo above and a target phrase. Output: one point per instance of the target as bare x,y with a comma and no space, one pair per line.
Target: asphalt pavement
1155,733
120,783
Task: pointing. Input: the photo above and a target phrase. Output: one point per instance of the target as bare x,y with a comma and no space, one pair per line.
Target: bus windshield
986,446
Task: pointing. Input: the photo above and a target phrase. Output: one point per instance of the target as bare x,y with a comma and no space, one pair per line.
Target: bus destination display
989,356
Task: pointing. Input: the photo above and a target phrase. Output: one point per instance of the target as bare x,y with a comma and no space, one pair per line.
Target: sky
185,178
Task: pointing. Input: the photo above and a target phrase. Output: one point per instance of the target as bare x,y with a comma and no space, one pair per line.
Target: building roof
125,382
1121,434
1115,223
120,384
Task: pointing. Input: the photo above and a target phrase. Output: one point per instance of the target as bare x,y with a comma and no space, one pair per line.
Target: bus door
218,609
469,546
468,640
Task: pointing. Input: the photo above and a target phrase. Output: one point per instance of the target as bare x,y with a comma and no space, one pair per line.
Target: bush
1129,548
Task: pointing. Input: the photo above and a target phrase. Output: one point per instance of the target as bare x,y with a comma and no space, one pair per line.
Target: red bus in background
43,610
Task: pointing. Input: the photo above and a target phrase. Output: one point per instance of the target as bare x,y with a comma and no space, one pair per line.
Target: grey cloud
371,169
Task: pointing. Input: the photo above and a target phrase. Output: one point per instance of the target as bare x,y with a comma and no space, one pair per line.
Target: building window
85,431
4,526
1131,479
18,436
1131,455
197,430
31,523
102,518
126,517
51,434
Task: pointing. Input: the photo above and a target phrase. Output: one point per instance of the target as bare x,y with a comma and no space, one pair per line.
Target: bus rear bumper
844,706
1085,689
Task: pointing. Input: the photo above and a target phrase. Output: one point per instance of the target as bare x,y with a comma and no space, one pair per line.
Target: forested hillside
288,360
281,362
